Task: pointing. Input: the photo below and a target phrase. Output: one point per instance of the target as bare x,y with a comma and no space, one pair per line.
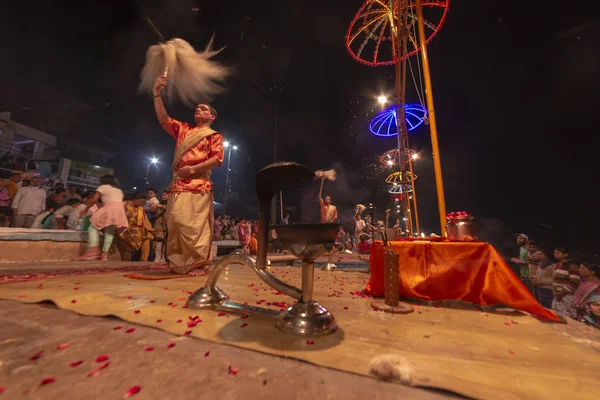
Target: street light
382,99
227,144
153,161
416,156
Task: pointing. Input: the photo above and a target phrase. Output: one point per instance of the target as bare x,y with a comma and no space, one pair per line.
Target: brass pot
460,227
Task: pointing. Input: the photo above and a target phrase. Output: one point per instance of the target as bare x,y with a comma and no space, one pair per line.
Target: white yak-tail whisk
193,77
329,175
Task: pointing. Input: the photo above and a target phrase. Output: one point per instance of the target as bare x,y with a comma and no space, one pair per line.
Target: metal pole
227,181
432,121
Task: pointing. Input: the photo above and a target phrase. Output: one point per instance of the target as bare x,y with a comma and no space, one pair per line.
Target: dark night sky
515,86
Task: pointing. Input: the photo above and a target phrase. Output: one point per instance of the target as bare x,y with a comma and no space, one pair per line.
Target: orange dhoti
455,272
190,222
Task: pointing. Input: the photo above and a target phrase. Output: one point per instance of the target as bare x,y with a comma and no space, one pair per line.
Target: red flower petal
62,346
187,332
136,311
1,390
36,355
170,345
46,381
179,321
76,363
73,301
127,297
264,382
95,372
132,390
507,324
116,328
102,359
233,371
244,325
345,308
310,341
207,354
191,324
244,316
150,348
130,330
152,301
104,366
511,352
221,314
158,321
75,288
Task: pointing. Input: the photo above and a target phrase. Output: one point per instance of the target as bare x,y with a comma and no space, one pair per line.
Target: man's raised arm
159,107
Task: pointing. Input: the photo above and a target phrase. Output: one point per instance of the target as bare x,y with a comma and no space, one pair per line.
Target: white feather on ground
392,367
192,76
329,175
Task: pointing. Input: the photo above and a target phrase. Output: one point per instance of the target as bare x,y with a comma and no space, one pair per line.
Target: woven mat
480,355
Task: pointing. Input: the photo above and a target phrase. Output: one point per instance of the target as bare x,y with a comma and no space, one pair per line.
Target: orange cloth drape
471,272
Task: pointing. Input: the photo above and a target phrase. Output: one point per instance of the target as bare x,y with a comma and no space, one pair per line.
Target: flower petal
62,346
187,332
136,311
132,390
221,314
158,321
149,348
76,363
48,380
233,371
36,355
310,341
130,330
95,372
207,354
102,359
170,345
73,301
104,366
116,328
244,325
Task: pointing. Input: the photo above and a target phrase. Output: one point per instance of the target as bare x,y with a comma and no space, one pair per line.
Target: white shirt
64,211
30,200
74,217
109,193
149,203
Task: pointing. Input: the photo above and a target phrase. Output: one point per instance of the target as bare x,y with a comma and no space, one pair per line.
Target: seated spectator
63,213
592,309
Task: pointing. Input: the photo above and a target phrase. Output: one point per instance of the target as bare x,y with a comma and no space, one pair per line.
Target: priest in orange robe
190,209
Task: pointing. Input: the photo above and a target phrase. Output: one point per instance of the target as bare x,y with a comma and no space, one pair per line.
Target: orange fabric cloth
209,147
471,272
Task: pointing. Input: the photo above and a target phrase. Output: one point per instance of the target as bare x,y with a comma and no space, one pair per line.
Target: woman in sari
590,283
139,234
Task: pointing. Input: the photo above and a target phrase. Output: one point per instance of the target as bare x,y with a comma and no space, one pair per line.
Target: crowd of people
29,204
570,289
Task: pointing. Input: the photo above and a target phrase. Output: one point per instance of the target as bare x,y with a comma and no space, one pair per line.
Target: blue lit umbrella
386,122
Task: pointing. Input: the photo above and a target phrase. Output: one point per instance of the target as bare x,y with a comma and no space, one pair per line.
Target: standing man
523,259
29,202
190,210
329,213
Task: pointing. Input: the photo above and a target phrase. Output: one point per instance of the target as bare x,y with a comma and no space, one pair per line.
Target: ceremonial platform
463,351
